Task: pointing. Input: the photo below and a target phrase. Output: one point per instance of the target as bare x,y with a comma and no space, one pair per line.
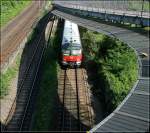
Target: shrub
116,66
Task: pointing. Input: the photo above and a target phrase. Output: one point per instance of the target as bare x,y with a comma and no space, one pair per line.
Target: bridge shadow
28,69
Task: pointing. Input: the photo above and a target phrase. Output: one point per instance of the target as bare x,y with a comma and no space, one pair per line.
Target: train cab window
71,46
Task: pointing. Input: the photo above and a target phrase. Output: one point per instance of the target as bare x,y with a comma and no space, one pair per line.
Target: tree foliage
116,65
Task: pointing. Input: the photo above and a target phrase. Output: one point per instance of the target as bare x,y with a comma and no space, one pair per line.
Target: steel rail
87,98
30,95
78,106
63,112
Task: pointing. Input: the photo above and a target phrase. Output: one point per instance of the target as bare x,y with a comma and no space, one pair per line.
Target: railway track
20,114
74,110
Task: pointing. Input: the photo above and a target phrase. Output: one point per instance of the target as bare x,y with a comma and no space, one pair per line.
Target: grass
114,64
7,77
10,9
43,118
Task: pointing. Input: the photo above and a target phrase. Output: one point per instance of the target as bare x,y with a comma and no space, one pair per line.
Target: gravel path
14,33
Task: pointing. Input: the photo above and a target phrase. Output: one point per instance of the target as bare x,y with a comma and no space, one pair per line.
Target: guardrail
116,14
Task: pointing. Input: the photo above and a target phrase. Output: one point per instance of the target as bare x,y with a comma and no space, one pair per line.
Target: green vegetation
44,114
137,5
6,78
114,64
11,8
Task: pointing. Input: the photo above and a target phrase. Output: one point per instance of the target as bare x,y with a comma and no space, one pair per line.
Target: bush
116,66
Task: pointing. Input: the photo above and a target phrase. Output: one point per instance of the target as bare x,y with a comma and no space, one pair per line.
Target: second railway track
20,114
74,113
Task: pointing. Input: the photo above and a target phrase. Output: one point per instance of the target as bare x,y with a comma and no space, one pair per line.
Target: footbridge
132,115
121,11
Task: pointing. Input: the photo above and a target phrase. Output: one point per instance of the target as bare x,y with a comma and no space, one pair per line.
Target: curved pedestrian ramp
125,11
133,113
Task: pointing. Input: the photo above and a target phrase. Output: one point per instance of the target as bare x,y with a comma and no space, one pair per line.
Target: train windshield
71,49
71,46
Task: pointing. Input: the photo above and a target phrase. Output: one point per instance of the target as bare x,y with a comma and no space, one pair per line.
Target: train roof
71,34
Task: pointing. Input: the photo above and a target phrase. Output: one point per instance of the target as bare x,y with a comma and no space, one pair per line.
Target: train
71,48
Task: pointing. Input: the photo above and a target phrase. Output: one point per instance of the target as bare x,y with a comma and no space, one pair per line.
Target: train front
71,54
71,45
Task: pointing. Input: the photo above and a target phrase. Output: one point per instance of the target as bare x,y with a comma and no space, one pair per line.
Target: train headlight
66,52
76,52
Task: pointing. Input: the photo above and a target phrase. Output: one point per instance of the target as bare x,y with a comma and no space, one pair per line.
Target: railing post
142,13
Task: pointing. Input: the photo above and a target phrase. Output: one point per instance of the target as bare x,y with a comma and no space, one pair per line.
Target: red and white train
71,45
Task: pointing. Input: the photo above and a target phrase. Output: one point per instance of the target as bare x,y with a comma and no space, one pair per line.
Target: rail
70,96
36,75
77,91
74,113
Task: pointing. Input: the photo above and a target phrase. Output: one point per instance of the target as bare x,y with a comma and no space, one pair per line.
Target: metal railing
138,8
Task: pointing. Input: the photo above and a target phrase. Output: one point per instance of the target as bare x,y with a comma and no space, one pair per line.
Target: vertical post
142,8
124,5
39,4
142,13
78,102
